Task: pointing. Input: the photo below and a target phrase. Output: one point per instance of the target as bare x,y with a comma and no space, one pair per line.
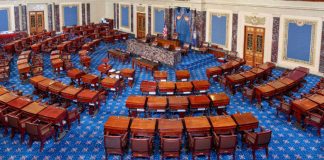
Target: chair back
13,121
263,138
112,141
33,129
202,143
171,144
227,141
140,144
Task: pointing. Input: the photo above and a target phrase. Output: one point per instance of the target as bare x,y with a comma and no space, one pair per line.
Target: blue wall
70,16
125,16
219,30
4,20
159,20
299,42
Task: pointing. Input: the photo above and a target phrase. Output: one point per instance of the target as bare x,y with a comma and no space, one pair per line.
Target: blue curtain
125,16
4,23
70,15
183,20
219,30
158,20
299,42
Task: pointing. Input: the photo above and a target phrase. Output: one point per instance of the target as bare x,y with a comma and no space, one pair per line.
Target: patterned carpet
85,141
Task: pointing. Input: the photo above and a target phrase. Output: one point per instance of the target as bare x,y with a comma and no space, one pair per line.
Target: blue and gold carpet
85,141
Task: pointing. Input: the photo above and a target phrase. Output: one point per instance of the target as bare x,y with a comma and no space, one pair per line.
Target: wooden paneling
36,21
254,45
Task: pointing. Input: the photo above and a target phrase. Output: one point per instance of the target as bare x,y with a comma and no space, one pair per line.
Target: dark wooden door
36,21
140,25
254,45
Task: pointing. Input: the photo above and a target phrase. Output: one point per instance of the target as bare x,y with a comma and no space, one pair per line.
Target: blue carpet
85,141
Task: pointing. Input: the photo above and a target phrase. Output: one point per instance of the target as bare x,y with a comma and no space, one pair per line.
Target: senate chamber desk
117,125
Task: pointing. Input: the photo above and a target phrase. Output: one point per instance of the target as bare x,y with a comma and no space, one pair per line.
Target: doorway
254,45
141,25
36,21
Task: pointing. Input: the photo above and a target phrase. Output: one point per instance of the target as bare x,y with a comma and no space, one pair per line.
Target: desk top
265,88
199,100
244,118
157,101
57,87
53,112
317,98
36,79
257,70
117,123
88,78
222,122
168,85
247,74
277,84
199,83
178,100
71,90
75,73
267,65
184,85
88,94
170,126
219,97
197,124
127,72
19,102
46,83
33,108
143,125
7,97
286,81
235,77
160,74
214,69
304,104
136,101
3,90
182,74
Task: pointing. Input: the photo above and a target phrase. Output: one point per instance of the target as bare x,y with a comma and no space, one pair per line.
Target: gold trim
9,22
300,22
227,15
129,15
254,20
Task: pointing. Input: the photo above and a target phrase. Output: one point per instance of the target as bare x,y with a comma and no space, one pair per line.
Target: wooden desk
90,79
24,68
104,68
160,75
3,90
144,63
182,75
157,103
249,76
245,121
170,127
317,98
43,85
75,74
19,103
35,80
197,124
56,88
7,97
148,87
22,61
112,84
219,101
213,72
200,103
264,91
70,92
278,85
301,106
267,67
55,115
130,74
222,124
184,87
287,81
135,104
117,125
233,80
258,71
143,126
172,43
89,98
166,88
201,86
122,56
33,108
178,104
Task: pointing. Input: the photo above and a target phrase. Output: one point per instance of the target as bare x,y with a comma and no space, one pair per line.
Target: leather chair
315,118
72,116
39,131
141,146
225,144
115,144
200,145
170,147
249,93
17,123
4,112
259,140
285,108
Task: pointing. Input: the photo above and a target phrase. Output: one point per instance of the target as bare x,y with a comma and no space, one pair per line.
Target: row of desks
281,85
227,67
169,88
225,123
177,103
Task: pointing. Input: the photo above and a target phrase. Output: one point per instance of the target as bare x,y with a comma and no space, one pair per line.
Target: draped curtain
183,23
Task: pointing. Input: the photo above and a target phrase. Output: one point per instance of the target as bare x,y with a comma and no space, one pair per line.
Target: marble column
24,17
50,17
132,18
275,39
57,17
200,26
234,32
88,13
321,68
149,20
17,18
83,14
168,20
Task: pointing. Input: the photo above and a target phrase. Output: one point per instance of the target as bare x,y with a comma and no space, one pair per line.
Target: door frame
36,19
263,43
